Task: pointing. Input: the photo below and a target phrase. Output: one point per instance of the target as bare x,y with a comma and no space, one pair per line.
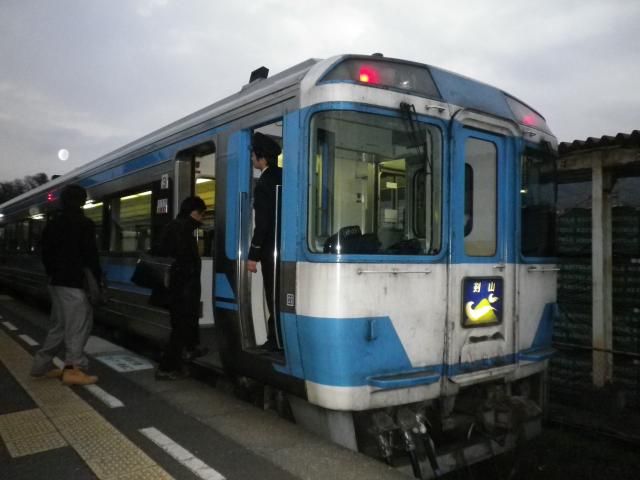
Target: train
416,271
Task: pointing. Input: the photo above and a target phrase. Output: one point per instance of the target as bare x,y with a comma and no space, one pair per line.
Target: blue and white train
416,282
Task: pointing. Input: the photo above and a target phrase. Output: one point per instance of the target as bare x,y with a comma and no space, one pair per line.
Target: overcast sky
92,75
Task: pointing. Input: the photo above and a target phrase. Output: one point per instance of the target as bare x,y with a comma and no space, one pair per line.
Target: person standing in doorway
69,252
179,241
264,156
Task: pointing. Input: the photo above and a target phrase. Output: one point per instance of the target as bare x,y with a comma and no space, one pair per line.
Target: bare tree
13,188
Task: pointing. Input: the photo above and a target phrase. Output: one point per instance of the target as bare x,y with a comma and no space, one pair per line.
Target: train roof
452,88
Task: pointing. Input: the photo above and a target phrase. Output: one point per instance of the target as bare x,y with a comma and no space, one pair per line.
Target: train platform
130,426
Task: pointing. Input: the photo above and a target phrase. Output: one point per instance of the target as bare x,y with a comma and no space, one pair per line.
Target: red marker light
50,197
368,75
529,120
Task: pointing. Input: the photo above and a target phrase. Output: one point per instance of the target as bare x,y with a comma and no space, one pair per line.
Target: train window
131,222
10,237
22,236
93,211
375,185
206,189
38,223
538,204
480,200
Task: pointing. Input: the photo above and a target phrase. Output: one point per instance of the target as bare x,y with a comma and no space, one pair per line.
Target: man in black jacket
69,253
178,241
264,157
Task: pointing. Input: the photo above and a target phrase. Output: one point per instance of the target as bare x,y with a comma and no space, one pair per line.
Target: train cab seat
350,239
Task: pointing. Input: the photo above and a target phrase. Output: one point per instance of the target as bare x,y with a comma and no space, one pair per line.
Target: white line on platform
183,456
106,398
10,326
28,340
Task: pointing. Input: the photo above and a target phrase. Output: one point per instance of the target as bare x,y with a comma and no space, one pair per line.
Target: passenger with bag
179,242
69,252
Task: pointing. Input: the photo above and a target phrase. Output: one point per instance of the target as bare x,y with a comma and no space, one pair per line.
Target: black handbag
152,271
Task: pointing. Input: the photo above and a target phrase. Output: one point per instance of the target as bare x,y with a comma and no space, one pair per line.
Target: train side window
93,211
480,202
131,222
206,189
10,237
22,236
35,238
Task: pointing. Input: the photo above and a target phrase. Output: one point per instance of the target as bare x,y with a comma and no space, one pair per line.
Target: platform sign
123,362
482,300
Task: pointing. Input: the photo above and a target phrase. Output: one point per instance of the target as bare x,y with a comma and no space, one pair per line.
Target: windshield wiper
409,113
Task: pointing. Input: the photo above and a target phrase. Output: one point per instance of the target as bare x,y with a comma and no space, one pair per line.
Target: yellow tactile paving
35,444
28,432
110,455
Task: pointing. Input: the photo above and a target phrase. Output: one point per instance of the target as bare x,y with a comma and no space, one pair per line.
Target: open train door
481,325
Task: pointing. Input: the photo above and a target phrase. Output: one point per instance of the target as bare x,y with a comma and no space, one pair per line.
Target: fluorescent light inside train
203,180
90,204
38,216
137,195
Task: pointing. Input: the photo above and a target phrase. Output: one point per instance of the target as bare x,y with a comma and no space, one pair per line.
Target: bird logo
483,312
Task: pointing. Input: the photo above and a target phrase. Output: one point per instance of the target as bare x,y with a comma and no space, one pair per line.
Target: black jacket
264,204
68,246
178,241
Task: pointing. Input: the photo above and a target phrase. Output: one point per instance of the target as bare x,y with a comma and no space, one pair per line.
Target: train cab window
375,185
93,211
131,222
480,202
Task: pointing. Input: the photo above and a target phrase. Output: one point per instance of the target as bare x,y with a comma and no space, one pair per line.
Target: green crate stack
625,234
626,374
569,376
574,232
626,330
574,324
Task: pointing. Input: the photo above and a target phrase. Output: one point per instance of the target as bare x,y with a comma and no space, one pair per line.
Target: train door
255,314
195,175
481,323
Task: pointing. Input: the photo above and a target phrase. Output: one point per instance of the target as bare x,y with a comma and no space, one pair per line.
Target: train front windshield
375,185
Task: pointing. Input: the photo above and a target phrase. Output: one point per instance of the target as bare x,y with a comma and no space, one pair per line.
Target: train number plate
482,300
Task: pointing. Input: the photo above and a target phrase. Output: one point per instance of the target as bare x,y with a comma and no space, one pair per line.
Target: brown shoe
53,373
75,376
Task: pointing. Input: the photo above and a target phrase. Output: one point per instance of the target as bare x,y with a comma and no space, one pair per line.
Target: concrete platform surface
130,426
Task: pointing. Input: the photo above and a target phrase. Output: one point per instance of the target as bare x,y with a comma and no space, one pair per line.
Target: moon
63,154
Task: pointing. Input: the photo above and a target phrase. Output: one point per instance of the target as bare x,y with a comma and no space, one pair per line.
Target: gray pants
72,318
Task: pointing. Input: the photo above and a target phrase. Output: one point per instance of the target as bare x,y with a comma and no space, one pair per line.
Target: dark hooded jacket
69,246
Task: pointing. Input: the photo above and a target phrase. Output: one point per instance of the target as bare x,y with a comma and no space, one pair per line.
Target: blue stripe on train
346,352
541,347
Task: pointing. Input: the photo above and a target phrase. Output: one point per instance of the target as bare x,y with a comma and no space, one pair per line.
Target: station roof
622,140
